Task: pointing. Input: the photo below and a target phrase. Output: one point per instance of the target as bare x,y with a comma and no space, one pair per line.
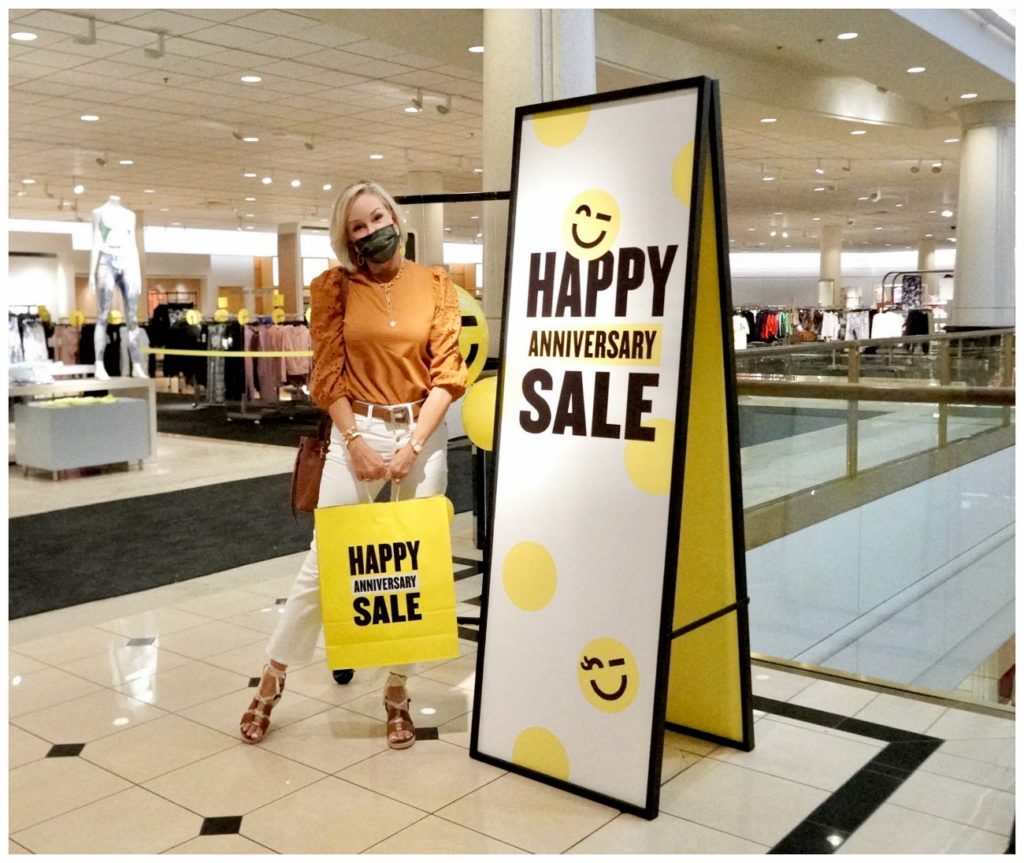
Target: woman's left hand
401,463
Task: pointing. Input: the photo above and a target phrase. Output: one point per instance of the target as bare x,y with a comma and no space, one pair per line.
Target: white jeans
297,631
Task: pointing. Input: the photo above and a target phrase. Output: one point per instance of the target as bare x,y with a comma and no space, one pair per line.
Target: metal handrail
828,347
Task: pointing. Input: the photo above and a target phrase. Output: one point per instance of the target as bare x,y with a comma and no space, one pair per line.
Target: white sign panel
590,378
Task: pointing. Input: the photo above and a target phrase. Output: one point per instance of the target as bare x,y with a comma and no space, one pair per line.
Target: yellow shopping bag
387,586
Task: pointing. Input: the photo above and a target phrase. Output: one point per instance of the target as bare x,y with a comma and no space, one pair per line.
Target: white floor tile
155,748
50,787
529,815
432,835
895,830
152,623
739,802
776,684
810,757
14,848
330,816
956,800
210,638
126,664
23,747
989,775
906,713
39,689
230,843
130,822
19,665
834,697
70,645
956,724
628,835
224,713
89,717
185,686
233,782
330,740
429,775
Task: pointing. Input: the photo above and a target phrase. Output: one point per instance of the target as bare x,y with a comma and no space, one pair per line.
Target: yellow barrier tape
182,352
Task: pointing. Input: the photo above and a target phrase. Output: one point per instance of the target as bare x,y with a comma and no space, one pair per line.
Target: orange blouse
356,353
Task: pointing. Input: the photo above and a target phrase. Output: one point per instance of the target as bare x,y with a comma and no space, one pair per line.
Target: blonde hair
343,249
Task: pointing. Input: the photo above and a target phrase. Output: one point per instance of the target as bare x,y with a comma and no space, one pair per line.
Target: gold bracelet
350,434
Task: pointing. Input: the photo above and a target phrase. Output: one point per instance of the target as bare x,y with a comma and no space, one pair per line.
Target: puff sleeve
326,329
447,368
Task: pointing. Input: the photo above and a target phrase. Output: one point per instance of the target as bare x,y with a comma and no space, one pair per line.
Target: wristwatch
417,447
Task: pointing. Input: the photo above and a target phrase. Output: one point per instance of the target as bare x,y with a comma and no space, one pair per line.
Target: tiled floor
123,718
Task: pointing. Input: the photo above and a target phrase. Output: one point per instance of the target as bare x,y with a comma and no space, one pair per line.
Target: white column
831,265
530,56
426,220
925,262
985,218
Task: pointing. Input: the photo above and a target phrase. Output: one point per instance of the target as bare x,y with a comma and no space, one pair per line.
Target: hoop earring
360,260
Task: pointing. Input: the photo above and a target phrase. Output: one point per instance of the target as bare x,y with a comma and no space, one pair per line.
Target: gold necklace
387,294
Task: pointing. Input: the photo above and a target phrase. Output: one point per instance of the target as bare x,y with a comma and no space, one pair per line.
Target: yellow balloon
115,317
77,318
478,409
278,315
473,336
243,316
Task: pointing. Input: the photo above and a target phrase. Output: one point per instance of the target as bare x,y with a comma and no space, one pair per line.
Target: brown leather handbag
309,467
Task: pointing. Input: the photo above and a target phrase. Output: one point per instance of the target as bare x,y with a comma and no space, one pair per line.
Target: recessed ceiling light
250,198
951,141
476,49
296,183
915,70
878,227
859,132
816,219
163,209
79,188
126,162
845,36
751,229
478,170
769,119
412,109
251,139
947,214
251,79
24,36
266,181
176,224
327,187
250,215
248,227
149,191
819,188
951,239
968,95
89,118
929,235
376,156
249,174
28,181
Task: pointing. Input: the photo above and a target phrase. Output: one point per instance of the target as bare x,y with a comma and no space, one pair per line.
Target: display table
139,388
74,436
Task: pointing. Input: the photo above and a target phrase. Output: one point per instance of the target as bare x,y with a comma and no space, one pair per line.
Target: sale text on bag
369,566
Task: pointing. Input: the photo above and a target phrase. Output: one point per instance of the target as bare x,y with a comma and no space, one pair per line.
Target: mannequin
115,263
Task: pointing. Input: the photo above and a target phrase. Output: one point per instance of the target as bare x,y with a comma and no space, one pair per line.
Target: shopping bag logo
385,598
387,586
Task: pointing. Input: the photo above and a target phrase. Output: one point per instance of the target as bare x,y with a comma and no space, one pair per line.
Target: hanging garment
15,351
33,340
858,325
887,325
740,331
66,339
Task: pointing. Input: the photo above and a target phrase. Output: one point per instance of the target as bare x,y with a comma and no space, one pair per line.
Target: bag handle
396,491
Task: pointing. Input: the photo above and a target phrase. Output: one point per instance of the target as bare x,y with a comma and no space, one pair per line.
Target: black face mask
380,246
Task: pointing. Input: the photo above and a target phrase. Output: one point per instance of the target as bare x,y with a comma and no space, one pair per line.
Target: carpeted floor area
186,534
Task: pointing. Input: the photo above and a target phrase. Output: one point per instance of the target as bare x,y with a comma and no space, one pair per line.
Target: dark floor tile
221,825
426,734
65,750
468,633
808,837
140,642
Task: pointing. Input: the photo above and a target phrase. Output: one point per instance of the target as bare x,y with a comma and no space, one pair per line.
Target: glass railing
878,482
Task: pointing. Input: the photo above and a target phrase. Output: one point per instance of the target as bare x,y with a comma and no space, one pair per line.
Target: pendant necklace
387,294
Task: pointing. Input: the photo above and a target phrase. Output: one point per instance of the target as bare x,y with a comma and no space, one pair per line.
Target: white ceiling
335,82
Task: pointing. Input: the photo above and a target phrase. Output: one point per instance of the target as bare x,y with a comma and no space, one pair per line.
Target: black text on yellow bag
387,587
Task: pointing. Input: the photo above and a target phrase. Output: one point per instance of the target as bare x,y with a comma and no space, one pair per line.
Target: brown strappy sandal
258,713
400,728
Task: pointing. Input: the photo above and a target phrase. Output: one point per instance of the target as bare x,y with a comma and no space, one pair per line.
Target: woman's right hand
366,461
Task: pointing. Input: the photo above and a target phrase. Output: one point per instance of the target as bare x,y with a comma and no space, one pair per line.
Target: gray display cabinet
74,436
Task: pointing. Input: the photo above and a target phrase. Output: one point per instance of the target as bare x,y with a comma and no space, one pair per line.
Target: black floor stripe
65,750
857,799
221,825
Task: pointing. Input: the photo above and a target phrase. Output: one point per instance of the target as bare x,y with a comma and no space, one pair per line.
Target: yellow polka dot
538,749
682,174
529,576
478,408
473,335
649,463
558,128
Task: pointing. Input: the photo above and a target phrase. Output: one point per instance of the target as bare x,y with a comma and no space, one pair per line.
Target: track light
415,104
446,107
308,144
101,160
157,52
90,37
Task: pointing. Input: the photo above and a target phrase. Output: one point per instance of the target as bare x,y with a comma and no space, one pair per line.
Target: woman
386,366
